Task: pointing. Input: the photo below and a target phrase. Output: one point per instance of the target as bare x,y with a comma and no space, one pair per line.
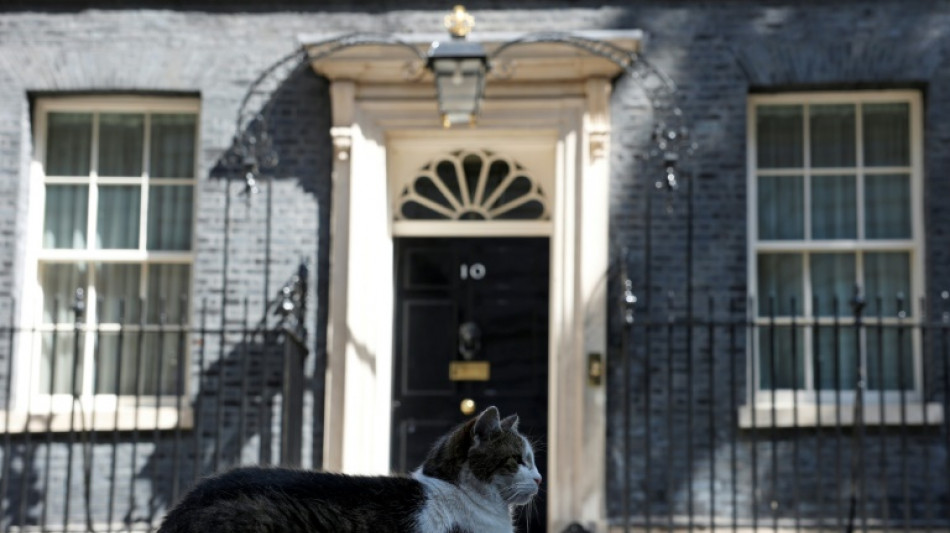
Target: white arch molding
551,115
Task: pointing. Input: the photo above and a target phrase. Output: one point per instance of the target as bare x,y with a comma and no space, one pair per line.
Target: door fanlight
472,185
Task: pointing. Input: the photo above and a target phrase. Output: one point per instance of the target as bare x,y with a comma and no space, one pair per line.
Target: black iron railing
142,411
734,417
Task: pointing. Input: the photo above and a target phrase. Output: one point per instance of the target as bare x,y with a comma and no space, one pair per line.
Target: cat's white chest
447,506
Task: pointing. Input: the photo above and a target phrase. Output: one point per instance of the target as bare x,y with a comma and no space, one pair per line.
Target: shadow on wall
289,218
238,420
239,403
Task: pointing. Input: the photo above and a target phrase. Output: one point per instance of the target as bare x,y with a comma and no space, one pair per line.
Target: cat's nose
538,480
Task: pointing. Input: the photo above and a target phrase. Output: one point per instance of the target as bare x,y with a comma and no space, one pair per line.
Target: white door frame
368,119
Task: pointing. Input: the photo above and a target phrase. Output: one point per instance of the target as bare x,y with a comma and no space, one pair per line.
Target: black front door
475,308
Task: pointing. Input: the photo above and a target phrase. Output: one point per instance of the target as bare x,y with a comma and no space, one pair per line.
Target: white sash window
115,180
835,202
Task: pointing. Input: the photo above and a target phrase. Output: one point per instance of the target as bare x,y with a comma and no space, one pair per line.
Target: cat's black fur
265,500
475,466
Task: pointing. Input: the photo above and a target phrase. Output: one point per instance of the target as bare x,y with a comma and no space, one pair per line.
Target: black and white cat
470,483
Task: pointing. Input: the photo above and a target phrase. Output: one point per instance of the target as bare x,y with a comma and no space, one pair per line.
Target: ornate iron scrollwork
671,135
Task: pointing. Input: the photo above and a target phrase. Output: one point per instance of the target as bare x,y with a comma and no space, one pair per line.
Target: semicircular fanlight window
472,185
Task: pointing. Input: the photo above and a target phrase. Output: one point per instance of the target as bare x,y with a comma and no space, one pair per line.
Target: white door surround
553,109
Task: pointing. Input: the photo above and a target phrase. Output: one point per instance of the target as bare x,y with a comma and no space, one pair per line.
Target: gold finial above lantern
459,22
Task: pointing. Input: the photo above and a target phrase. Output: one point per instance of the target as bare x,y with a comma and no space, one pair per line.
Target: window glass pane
833,207
143,363
59,282
781,208
160,362
167,284
832,282
887,282
780,357
61,363
779,138
835,357
472,168
832,135
891,357
780,284
887,206
172,153
117,287
121,138
447,174
886,134
114,364
169,217
64,221
118,218
68,144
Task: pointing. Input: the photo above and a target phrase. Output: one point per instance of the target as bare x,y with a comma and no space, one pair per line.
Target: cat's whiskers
519,491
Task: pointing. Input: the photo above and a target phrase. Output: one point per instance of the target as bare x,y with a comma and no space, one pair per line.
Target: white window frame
804,407
28,400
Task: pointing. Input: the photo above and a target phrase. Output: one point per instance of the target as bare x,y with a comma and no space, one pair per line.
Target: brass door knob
467,407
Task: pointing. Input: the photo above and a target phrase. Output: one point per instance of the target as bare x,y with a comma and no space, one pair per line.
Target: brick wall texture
716,52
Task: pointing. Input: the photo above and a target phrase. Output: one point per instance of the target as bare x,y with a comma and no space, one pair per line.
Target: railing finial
79,304
858,301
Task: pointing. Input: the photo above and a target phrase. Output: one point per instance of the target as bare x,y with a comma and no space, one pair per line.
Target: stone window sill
125,419
814,415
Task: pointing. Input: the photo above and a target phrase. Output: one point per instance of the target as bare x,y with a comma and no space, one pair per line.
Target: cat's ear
487,424
510,423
